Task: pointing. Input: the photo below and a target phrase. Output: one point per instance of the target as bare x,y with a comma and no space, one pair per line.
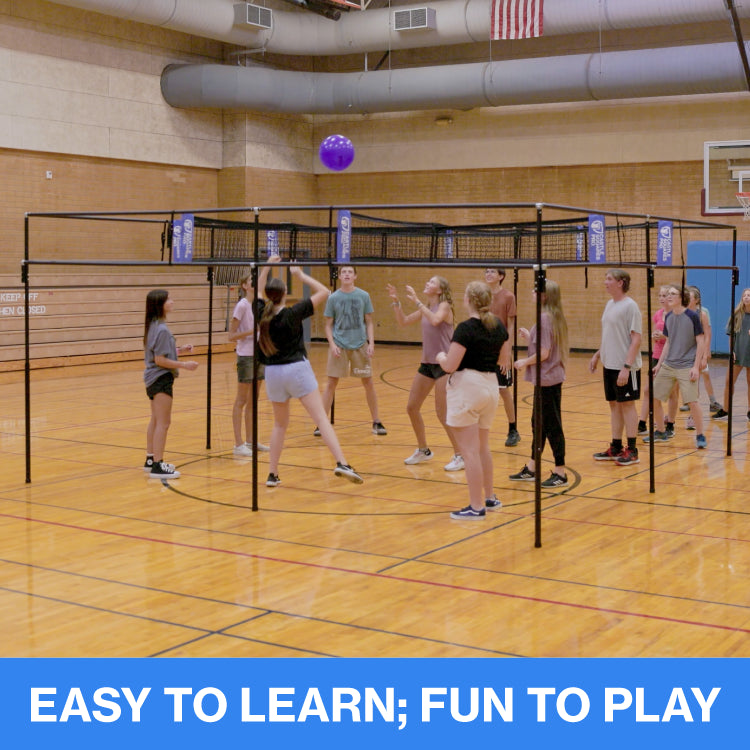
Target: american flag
516,19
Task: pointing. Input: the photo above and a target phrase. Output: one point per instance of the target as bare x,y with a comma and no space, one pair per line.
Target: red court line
400,579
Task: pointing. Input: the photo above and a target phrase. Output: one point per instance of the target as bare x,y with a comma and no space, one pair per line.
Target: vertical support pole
254,438
730,374
27,348
540,287
209,362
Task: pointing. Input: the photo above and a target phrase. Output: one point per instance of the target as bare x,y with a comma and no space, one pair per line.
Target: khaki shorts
361,364
472,398
668,376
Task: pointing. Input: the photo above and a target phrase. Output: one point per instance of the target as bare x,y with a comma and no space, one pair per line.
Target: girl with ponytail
472,394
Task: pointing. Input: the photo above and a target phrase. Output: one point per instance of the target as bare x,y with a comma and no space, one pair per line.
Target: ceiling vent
416,18
247,14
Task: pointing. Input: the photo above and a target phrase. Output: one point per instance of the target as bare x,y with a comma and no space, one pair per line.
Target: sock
512,427
617,444
669,426
631,444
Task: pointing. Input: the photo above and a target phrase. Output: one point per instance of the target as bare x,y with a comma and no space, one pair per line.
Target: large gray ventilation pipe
701,69
458,22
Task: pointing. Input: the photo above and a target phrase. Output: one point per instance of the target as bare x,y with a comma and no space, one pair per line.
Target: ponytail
274,291
479,296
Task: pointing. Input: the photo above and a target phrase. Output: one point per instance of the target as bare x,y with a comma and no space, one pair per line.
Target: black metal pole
27,348
537,390
254,271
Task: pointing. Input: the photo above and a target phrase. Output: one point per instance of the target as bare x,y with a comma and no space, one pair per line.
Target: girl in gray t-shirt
160,357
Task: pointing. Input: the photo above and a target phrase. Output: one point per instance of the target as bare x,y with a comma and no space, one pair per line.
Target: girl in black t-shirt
288,371
473,394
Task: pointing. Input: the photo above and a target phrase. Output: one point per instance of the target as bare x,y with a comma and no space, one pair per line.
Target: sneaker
555,480
346,471
700,441
525,475
316,432
455,464
669,430
493,502
611,454
262,448
684,407
690,424
378,429
513,439
714,406
660,436
748,416
642,428
149,463
273,480
163,470
627,457
419,456
720,414
468,514
242,450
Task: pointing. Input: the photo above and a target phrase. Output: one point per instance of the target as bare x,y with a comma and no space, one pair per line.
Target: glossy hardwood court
97,560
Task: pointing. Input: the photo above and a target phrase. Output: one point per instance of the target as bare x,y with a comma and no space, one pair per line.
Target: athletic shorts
431,371
361,365
665,379
504,379
472,398
163,384
245,369
294,380
631,391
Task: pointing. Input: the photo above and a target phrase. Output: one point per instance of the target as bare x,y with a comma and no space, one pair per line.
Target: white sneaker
419,456
455,464
242,450
262,448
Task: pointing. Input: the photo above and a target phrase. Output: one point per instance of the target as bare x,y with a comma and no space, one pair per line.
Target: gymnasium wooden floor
99,561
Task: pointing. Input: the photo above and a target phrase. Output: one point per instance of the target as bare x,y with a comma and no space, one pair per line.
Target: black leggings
551,422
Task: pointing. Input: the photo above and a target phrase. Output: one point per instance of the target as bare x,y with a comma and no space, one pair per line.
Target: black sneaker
611,454
642,428
493,502
346,471
163,470
378,429
273,480
669,430
468,514
627,457
513,439
316,432
525,475
555,480
149,463
721,414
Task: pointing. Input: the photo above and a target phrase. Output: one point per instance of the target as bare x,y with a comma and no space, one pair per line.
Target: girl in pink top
436,317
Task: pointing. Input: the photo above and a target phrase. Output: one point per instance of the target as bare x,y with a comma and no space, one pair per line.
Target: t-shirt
681,330
435,338
348,310
285,329
552,371
243,311
482,345
620,317
159,343
741,341
503,305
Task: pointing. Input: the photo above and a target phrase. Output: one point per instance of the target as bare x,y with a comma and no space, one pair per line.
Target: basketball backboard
726,172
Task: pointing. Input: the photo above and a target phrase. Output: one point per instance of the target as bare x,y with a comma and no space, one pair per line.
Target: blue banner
664,244
344,236
182,239
373,703
272,243
449,243
597,239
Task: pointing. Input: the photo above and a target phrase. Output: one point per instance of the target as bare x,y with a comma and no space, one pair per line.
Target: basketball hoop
744,199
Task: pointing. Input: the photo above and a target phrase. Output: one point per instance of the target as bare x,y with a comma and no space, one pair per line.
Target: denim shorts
294,380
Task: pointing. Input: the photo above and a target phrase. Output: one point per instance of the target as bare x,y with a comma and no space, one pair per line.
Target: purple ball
336,152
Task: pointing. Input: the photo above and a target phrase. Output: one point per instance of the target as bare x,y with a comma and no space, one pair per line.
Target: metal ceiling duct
458,22
701,69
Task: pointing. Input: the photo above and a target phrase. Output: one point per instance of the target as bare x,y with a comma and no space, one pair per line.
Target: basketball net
744,199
